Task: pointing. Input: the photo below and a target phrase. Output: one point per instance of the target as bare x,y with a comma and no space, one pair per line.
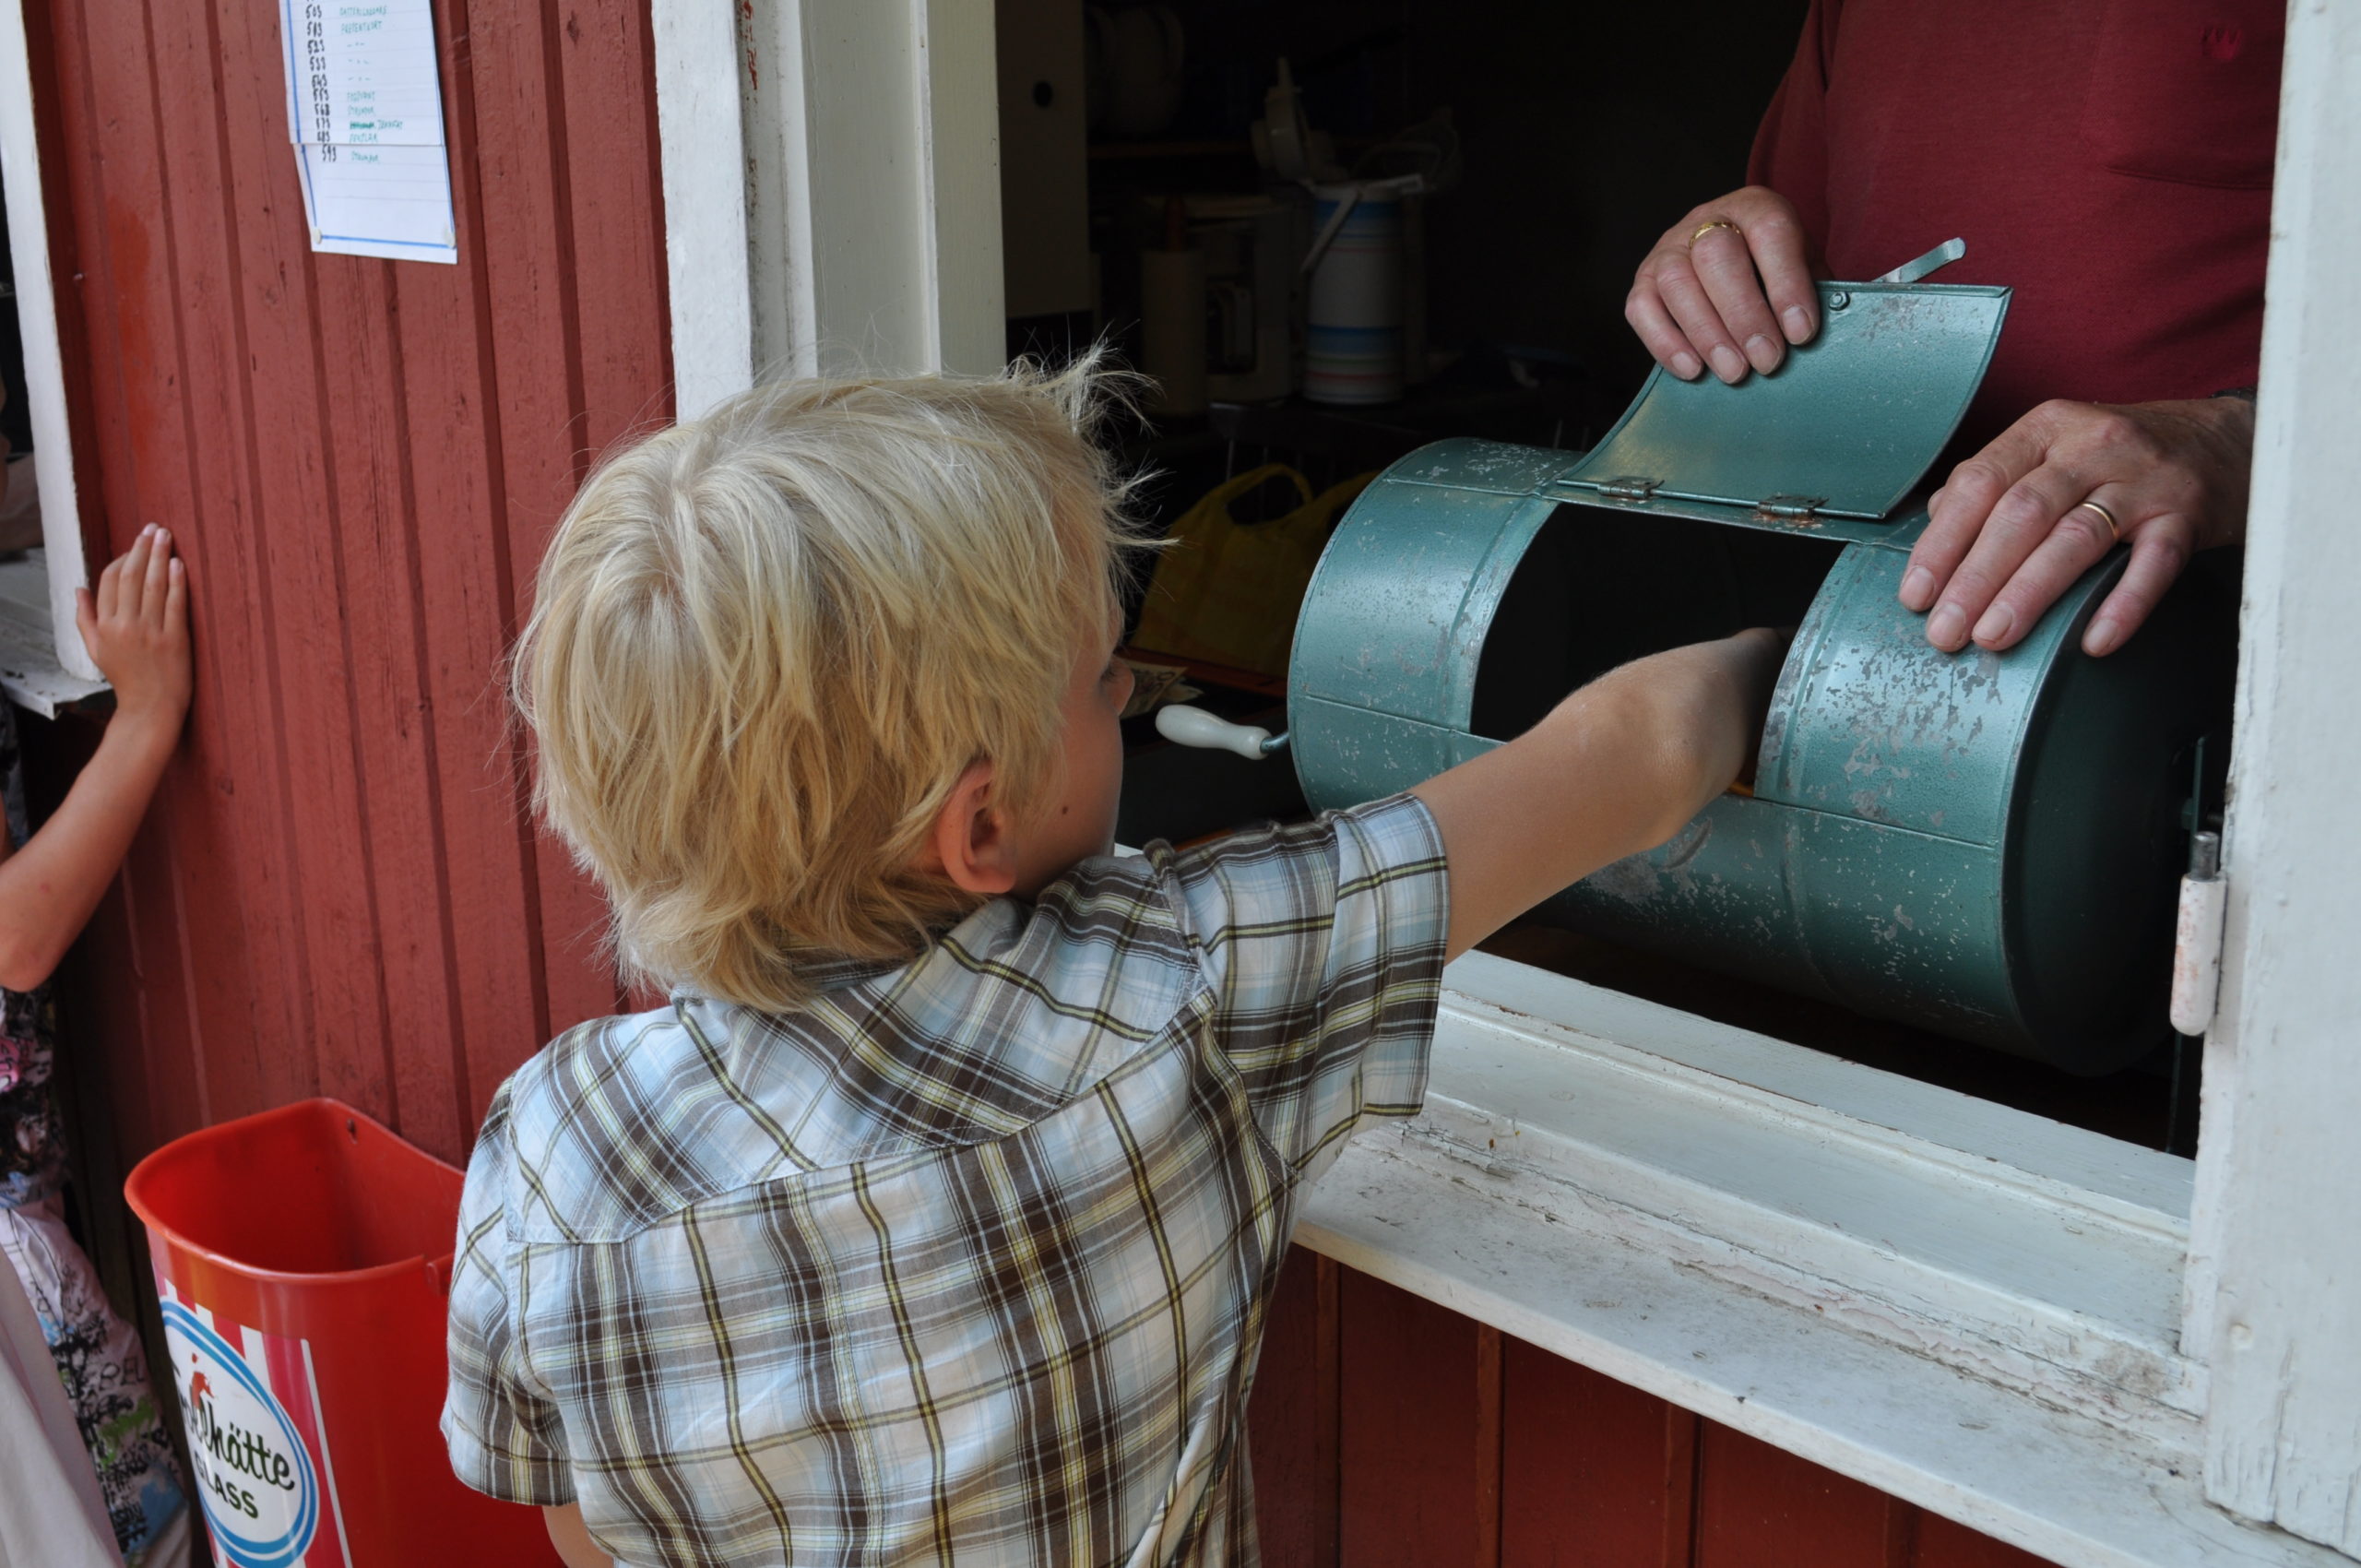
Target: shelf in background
1117,152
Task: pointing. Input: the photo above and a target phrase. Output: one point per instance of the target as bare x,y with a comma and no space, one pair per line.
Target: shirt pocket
2186,90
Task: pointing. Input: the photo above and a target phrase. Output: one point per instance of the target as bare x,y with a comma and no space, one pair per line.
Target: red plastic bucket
303,1259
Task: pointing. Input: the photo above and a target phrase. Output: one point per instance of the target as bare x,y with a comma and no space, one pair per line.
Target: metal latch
1630,487
2197,945
1935,261
1790,508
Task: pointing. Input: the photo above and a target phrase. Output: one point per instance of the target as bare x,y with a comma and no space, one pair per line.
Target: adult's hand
2009,532
1730,285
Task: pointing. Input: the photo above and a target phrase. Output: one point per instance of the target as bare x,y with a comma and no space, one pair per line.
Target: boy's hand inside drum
1762,652
1617,768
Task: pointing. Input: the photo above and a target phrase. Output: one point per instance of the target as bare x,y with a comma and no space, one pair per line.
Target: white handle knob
1195,726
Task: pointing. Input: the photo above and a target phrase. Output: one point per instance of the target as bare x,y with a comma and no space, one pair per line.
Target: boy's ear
971,836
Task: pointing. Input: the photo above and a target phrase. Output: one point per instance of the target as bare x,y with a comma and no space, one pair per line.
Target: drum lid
1845,427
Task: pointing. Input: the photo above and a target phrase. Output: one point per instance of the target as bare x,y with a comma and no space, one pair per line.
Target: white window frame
2089,1349
41,648
860,224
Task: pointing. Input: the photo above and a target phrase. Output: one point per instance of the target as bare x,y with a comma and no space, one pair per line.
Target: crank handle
1194,727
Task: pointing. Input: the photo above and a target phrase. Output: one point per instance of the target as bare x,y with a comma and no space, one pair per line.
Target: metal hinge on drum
1790,508
1630,487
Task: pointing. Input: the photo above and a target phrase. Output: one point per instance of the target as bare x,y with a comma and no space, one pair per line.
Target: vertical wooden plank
1684,1455
1595,1474
510,108
377,468
1291,1430
1901,1523
287,427
1491,1439
427,573
291,574
613,172
248,936
463,587
1327,1544
1410,1439
1758,1507
1942,1544
463,599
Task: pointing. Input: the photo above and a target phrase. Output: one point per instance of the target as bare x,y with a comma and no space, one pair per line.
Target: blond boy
936,1214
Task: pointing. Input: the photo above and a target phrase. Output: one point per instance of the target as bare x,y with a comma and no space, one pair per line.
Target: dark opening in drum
1599,588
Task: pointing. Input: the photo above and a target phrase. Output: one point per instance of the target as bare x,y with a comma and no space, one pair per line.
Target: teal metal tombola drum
1984,844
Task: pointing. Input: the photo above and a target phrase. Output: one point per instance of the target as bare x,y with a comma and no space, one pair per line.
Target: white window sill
30,675
1972,1307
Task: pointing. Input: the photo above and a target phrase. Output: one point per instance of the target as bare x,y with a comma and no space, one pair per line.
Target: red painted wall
1388,1430
337,892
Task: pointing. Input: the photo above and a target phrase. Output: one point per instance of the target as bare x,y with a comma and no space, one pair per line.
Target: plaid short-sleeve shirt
969,1258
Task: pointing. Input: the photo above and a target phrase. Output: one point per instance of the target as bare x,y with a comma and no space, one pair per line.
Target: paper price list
365,111
367,74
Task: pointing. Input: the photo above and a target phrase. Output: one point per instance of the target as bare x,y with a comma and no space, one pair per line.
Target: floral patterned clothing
98,1354
32,1140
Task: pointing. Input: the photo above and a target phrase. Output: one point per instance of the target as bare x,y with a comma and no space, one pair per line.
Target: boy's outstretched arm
135,625
1616,768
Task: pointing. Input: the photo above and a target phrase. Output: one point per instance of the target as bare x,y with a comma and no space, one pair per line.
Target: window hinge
2196,947
1790,508
1630,487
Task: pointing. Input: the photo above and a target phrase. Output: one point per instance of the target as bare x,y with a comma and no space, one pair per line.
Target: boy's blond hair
767,642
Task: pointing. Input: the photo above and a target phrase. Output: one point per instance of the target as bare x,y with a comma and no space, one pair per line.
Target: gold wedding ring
2114,528
1705,229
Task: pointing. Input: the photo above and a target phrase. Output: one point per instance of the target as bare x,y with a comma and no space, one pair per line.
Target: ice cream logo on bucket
261,1498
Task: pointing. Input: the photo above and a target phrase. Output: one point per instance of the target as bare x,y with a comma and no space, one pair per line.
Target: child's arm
136,626
572,1538
1616,768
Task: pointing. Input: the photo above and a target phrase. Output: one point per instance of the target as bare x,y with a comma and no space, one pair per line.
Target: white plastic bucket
1353,327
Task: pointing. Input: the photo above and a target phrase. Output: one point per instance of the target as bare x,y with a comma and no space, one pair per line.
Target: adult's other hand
2009,532
1730,285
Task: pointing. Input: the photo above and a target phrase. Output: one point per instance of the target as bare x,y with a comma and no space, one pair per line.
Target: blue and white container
1353,339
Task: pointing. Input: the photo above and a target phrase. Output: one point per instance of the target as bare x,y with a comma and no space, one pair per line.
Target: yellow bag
1226,592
